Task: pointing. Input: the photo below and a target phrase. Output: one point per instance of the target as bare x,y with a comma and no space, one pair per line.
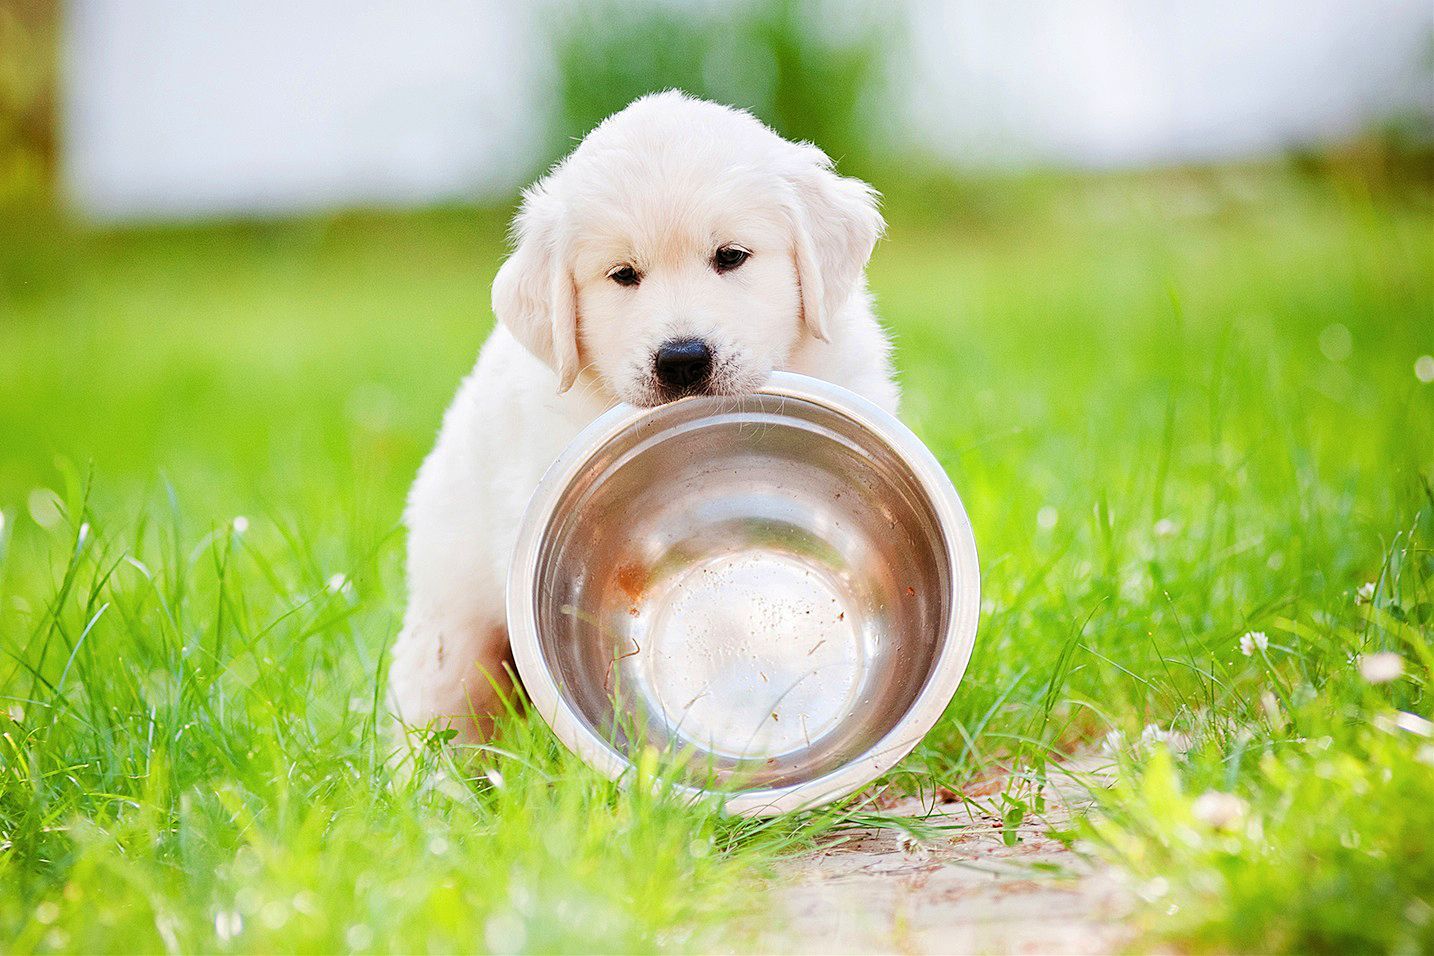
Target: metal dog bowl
780,591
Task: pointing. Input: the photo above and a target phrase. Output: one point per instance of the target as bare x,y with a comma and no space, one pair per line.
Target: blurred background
235,233
144,109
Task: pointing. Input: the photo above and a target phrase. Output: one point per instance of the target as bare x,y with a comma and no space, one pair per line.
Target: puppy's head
683,248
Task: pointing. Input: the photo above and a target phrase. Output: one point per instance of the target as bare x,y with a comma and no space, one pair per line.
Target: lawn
1182,409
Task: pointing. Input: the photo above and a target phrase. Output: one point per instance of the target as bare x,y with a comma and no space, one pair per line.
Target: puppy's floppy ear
534,294
835,225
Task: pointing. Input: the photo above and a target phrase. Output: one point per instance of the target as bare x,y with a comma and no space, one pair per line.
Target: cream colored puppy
683,248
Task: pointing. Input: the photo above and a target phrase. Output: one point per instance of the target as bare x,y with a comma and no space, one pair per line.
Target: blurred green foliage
812,71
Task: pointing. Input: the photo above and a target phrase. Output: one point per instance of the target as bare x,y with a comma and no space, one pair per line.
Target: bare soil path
957,888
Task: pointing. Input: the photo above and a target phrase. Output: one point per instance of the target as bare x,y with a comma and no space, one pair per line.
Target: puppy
682,249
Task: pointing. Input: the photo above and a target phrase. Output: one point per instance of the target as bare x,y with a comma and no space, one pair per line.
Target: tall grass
1178,408
196,759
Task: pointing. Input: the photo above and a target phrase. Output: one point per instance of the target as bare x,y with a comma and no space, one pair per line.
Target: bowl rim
946,672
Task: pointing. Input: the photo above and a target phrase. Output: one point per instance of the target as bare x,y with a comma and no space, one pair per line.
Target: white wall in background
1130,82
179,108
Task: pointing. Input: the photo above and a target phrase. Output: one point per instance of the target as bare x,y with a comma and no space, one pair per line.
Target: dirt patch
957,887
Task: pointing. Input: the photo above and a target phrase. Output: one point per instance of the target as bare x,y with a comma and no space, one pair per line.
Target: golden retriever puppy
683,248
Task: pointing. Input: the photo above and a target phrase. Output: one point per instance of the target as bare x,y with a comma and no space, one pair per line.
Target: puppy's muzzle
683,366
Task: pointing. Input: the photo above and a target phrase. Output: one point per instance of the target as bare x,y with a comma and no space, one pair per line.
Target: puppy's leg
449,662
450,673
504,428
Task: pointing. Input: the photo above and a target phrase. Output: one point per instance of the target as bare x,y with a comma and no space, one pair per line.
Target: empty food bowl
779,591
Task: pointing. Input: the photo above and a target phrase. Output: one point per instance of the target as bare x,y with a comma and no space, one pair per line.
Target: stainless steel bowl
779,590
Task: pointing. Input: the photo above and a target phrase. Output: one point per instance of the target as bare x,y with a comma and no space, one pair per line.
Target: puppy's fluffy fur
656,189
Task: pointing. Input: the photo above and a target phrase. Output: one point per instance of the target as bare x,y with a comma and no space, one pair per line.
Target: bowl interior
762,585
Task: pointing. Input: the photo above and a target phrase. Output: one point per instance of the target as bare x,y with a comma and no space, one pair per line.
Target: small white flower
240,524
1218,810
1164,528
1252,641
1426,754
1365,594
1381,668
1113,742
339,584
1424,368
227,925
1047,517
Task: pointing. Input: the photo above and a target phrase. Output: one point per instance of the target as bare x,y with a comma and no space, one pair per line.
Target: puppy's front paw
453,675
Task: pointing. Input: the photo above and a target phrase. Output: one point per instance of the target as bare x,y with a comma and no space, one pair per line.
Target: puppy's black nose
684,364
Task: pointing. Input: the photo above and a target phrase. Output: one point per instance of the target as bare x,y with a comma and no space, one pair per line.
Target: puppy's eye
625,275
728,258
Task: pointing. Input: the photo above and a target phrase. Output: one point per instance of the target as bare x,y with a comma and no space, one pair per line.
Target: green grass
1178,408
